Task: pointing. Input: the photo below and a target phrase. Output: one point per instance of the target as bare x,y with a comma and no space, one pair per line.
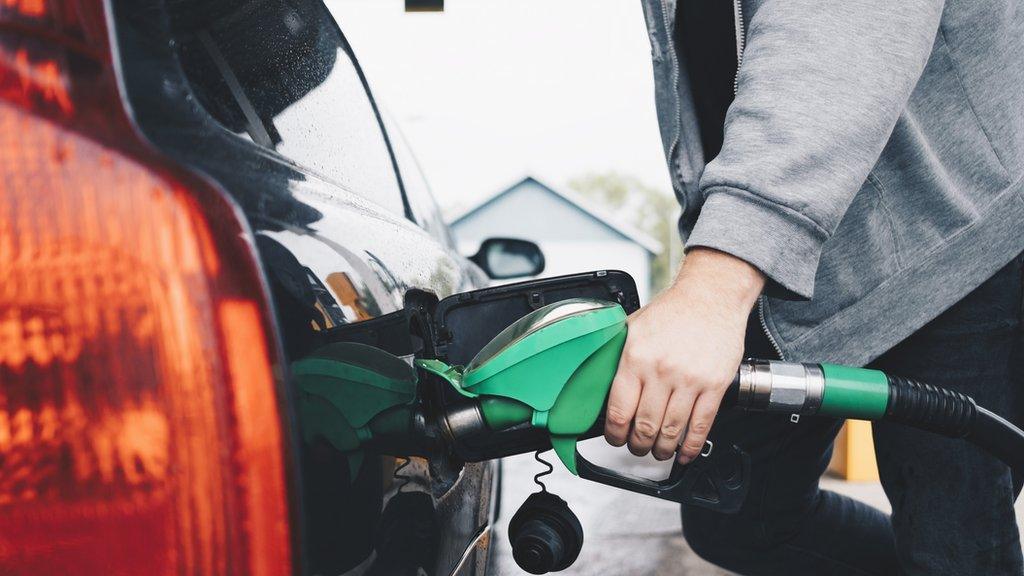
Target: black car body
267,99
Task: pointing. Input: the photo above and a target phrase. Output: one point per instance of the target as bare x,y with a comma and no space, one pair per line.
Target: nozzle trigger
718,481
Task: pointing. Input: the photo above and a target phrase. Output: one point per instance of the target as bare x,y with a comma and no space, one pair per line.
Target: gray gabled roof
587,207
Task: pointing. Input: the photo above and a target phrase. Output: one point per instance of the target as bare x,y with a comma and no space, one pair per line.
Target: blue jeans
952,503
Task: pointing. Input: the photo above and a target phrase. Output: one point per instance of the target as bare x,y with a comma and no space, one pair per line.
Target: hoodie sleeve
820,88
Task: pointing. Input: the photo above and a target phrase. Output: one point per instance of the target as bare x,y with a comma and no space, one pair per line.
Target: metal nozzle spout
463,421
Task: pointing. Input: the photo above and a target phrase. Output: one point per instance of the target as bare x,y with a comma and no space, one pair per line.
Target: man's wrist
720,278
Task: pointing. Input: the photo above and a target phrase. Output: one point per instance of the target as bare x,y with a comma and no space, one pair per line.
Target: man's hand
681,353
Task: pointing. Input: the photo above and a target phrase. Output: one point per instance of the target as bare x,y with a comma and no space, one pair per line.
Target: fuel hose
865,394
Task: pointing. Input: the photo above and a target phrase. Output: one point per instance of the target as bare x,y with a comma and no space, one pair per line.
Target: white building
575,235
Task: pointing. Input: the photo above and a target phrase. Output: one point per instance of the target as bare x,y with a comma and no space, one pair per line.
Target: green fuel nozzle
544,380
553,368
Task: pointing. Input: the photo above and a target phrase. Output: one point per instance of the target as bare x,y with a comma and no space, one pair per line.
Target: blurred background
535,119
531,119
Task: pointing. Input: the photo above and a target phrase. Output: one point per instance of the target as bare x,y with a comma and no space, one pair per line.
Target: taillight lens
140,431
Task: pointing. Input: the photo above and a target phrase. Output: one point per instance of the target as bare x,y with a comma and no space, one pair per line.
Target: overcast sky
491,90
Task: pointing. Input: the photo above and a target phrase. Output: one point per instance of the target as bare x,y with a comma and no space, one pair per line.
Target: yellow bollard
854,456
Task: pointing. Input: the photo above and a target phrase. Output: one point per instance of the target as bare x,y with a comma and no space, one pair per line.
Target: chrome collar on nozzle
774,386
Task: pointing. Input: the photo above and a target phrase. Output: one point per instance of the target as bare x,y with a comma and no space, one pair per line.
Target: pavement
615,519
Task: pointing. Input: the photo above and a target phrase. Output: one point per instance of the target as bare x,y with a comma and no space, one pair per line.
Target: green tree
646,208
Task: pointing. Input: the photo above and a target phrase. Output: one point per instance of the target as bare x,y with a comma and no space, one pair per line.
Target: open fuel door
464,323
456,328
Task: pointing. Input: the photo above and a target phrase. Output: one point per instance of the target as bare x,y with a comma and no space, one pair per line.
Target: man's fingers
672,428
703,415
622,403
649,415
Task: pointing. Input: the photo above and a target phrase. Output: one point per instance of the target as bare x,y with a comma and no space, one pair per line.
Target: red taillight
31,10
139,424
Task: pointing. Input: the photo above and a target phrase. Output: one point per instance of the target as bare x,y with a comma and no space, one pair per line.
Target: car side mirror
505,258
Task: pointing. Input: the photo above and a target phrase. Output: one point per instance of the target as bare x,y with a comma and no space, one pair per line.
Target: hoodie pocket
861,254
939,169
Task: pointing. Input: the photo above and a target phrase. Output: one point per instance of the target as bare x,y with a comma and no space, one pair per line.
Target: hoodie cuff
782,243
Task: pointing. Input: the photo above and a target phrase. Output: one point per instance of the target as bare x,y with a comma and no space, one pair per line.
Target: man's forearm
722,279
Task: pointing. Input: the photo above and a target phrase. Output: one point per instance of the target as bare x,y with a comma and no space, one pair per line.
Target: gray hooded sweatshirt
872,162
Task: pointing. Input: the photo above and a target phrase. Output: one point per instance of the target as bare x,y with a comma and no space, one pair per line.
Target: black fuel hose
1004,440
955,415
